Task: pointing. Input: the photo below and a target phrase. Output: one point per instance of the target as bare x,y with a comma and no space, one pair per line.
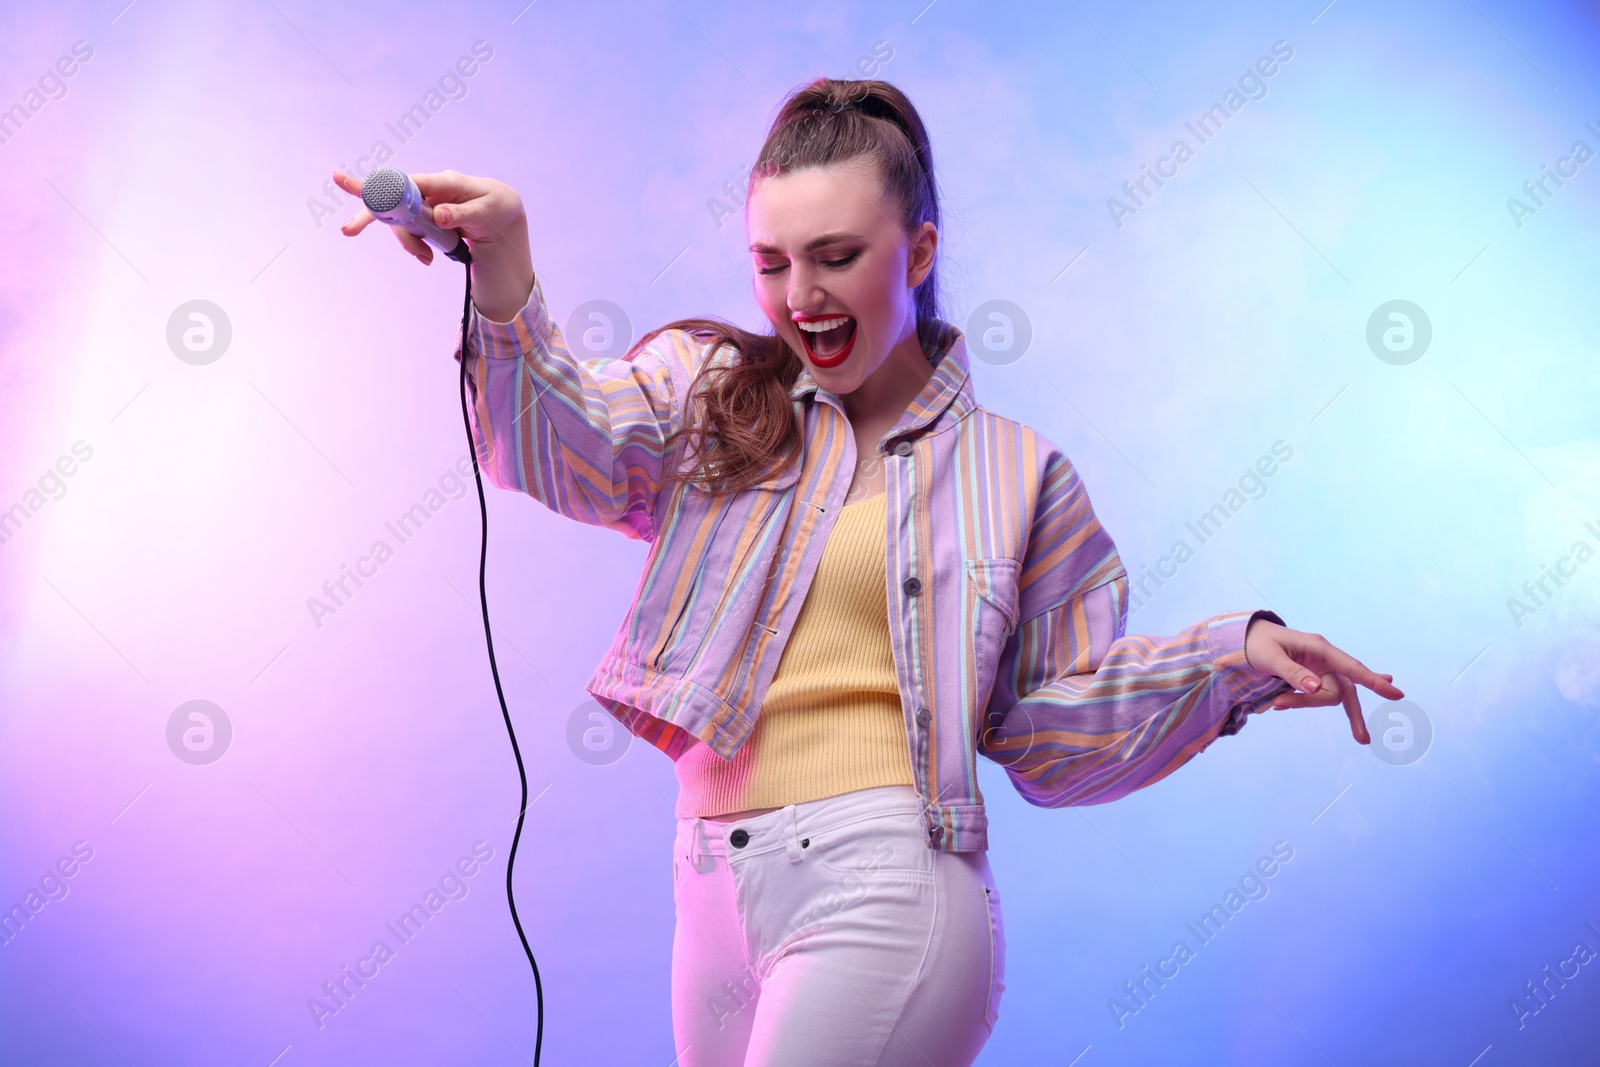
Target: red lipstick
832,359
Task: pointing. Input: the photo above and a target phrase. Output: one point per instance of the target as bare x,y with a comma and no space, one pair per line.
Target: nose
805,295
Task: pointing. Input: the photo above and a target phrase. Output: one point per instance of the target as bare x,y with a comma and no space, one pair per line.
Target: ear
924,244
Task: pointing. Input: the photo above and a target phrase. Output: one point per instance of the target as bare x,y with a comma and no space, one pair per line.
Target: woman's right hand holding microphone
489,214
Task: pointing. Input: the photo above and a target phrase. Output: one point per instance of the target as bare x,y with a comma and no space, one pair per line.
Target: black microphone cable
393,197
488,637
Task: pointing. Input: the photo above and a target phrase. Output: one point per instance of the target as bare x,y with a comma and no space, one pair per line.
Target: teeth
823,324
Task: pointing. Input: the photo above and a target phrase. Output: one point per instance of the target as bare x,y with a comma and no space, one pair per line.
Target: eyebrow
812,245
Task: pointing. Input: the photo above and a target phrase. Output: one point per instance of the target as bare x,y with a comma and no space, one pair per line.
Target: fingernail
1311,682
442,214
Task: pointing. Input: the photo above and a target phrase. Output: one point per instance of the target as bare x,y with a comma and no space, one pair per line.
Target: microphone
394,198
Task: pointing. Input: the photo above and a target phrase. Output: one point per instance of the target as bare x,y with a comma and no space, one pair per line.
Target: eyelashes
843,261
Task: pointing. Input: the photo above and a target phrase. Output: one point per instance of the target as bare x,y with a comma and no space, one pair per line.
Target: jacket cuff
1249,691
528,330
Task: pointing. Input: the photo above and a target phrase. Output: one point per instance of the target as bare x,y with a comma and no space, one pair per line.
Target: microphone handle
447,241
414,216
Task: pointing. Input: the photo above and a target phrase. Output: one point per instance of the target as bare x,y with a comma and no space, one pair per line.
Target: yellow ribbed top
832,721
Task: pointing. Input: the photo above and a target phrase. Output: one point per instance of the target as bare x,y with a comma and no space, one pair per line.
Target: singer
859,581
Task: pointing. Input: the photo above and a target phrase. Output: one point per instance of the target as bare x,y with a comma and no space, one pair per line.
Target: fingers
1339,672
468,216
1335,689
1352,711
1330,689
1277,661
357,223
446,187
1354,669
349,183
1327,692
481,218
362,218
414,244
450,187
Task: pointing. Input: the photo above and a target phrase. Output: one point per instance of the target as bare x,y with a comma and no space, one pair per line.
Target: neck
889,389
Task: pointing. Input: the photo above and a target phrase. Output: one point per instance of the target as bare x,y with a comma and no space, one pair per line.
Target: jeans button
739,838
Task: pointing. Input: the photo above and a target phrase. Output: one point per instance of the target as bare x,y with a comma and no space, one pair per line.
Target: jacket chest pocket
992,587
995,582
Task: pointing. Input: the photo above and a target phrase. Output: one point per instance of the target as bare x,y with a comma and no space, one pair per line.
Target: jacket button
912,586
739,838
924,717
902,448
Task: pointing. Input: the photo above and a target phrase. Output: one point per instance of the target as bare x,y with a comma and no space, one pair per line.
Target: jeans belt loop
695,834
792,832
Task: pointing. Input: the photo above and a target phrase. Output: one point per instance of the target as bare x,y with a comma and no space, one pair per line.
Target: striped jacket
1007,600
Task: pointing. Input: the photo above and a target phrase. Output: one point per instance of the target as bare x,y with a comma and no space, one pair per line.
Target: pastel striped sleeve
586,438
1081,713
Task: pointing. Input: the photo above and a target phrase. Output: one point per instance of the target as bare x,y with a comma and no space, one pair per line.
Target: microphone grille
383,189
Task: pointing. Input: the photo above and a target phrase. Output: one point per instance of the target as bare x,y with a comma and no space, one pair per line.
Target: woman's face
829,252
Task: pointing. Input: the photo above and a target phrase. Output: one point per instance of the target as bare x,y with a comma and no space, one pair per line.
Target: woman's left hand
1321,673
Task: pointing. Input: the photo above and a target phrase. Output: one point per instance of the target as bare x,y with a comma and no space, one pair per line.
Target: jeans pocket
997,958
890,843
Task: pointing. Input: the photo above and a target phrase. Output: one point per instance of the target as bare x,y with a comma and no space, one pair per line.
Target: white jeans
832,937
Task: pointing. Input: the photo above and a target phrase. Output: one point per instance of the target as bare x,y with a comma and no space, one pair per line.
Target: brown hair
743,425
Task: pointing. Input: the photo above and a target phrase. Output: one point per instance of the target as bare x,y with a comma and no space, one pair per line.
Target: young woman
859,582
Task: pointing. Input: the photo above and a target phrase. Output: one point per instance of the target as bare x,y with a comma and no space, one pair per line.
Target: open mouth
828,338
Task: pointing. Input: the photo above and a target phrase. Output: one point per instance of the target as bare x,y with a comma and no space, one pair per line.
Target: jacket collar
949,388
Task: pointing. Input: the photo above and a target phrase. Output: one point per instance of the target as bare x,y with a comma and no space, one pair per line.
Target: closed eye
841,262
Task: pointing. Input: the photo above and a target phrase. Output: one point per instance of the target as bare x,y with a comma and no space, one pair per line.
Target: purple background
185,159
